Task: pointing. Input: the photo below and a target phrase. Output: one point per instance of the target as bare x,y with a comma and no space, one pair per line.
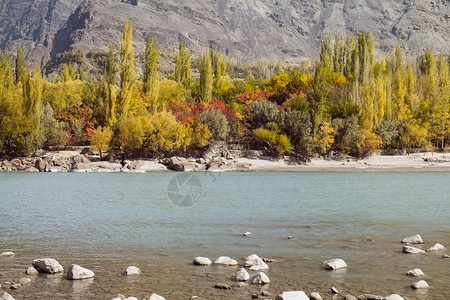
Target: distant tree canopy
344,102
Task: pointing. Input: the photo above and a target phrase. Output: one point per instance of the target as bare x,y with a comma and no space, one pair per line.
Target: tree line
345,102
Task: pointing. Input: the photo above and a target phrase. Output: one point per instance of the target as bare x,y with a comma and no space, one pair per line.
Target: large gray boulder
76,272
255,263
335,264
412,250
292,295
415,239
47,265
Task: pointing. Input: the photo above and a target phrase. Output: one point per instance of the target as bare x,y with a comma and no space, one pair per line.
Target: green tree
183,72
216,122
127,73
21,66
206,77
151,74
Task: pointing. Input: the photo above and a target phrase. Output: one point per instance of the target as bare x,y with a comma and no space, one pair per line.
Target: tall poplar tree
206,77
127,72
151,75
183,70
110,87
21,66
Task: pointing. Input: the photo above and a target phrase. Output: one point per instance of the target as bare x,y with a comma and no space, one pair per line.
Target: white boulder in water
436,247
202,261
76,272
255,263
292,295
260,278
47,265
421,284
242,275
415,273
156,297
412,250
132,270
414,239
335,264
226,261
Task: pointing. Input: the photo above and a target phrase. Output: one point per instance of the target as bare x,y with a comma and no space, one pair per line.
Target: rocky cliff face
248,30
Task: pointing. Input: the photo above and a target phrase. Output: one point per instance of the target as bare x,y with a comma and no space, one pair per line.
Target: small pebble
315,296
24,280
248,233
32,271
222,286
445,256
16,286
289,237
7,254
334,290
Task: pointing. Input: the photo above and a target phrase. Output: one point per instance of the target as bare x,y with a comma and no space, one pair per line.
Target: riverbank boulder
76,272
292,295
202,261
260,278
415,273
132,270
242,275
177,164
436,247
226,261
255,263
6,296
421,284
415,239
412,250
335,264
47,265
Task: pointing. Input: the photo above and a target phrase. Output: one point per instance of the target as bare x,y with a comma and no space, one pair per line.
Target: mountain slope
248,30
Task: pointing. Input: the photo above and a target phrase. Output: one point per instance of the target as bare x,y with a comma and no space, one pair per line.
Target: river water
161,221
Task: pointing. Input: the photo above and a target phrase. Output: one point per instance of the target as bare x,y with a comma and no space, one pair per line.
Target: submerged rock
255,263
32,271
315,296
436,247
373,297
156,297
226,261
242,275
412,250
260,278
292,295
202,261
132,270
7,254
335,264
414,239
421,284
76,272
222,286
47,265
24,280
415,273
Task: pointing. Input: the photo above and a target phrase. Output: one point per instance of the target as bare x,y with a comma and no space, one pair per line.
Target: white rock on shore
415,239
292,295
226,261
156,297
421,284
412,250
260,278
202,261
415,273
47,265
6,296
242,275
76,272
335,264
436,247
132,270
255,263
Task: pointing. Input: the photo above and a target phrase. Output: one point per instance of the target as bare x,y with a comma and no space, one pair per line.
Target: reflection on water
107,222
